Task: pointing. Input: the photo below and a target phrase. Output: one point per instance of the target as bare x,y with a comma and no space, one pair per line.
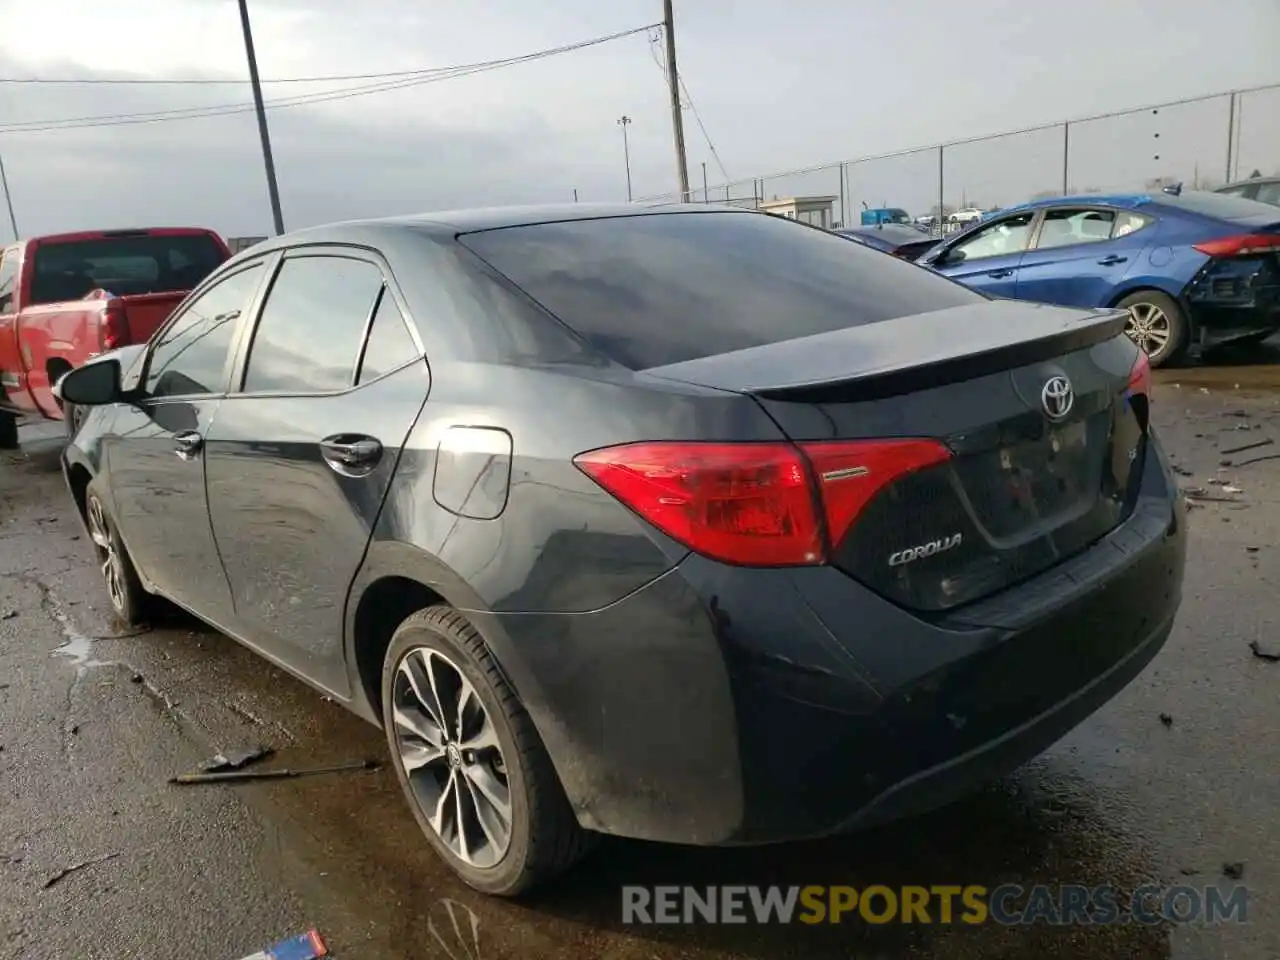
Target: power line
413,79
655,41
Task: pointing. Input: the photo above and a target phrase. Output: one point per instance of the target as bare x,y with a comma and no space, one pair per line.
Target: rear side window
124,265
389,345
656,289
309,332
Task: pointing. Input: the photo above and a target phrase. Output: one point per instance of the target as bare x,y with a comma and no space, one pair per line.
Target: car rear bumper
727,706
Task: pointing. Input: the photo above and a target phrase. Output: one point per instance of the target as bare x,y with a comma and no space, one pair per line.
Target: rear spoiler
902,355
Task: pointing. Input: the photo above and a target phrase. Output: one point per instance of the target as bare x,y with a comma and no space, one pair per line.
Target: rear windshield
123,266
656,289
1218,205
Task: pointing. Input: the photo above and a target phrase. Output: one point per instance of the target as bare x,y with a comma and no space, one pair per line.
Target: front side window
190,357
1067,227
1269,193
309,333
997,240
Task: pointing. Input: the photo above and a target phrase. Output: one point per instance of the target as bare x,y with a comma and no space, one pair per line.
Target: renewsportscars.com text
1009,904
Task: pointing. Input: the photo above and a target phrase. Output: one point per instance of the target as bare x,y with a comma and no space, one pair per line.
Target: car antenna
1174,189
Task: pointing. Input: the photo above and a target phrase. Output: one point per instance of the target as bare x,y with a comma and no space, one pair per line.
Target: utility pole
706,197
623,122
261,110
677,111
8,199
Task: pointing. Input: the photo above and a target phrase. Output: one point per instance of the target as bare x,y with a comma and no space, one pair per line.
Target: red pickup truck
67,298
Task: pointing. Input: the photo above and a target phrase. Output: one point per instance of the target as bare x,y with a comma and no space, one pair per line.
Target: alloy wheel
448,746
1149,327
108,555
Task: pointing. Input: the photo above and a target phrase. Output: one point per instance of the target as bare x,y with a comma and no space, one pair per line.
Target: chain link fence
1202,142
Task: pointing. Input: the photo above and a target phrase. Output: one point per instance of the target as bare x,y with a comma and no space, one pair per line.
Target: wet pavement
94,721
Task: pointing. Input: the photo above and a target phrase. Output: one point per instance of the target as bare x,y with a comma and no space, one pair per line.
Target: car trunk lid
1033,403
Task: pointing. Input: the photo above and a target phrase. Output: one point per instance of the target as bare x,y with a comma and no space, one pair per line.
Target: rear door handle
1112,260
188,444
346,452
1000,273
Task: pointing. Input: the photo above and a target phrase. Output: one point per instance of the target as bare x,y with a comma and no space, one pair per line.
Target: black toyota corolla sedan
685,523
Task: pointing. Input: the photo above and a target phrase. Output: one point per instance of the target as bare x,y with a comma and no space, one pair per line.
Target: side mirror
92,385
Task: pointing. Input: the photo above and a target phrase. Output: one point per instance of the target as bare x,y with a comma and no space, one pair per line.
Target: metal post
623,122
575,194
8,199
842,176
677,111
1066,157
706,195
941,185
1231,133
261,110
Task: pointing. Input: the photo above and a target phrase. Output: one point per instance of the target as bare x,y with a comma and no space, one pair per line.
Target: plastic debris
235,759
1166,719
231,776
305,946
1233,871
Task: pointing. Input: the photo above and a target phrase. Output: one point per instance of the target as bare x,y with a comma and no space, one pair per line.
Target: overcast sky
778,85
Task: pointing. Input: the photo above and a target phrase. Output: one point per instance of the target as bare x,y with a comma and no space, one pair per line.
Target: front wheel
474,769
1156,324
129,601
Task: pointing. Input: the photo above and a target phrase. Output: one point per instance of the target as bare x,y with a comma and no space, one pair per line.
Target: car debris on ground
236,759
231,776
1264,653
305,946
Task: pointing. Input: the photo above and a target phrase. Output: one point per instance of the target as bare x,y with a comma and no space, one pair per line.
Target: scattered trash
1262,653
136,678
8,615
75,730
1224,462
192,778
76,867
1238,413
1250,549
1204,390
1270,456
1233,871
1229,488
1194,505
235,759
1249,446
1183,471
1217,482
305,946
1188,871
1166,719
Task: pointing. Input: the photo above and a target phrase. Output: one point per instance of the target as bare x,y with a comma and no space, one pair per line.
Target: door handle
188,444
999,273
346,451
1112,260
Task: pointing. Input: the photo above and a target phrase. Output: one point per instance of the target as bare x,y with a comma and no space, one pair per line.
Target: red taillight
1140,375
114,328
1241,246
755,504
850,473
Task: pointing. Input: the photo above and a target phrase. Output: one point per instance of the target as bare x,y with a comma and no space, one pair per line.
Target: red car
70,297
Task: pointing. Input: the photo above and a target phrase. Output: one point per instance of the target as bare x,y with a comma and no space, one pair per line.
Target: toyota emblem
1057,397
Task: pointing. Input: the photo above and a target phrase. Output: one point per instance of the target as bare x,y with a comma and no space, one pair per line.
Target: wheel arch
395,581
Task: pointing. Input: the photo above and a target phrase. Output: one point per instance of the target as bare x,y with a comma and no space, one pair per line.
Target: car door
1080,254
302,450
988,258
155,455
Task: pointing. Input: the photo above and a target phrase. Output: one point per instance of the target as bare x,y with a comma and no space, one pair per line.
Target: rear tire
8,431
438,666
1156,324
129,601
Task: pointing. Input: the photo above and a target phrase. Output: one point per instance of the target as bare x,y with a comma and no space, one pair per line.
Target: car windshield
656,289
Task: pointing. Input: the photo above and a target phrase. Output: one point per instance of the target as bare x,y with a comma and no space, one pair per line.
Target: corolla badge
942,545
1057,397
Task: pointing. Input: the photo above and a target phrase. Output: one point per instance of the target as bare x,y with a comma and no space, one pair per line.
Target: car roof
449,223
1127,200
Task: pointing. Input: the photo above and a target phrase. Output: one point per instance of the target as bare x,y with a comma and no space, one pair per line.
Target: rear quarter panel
53,338
1170,261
